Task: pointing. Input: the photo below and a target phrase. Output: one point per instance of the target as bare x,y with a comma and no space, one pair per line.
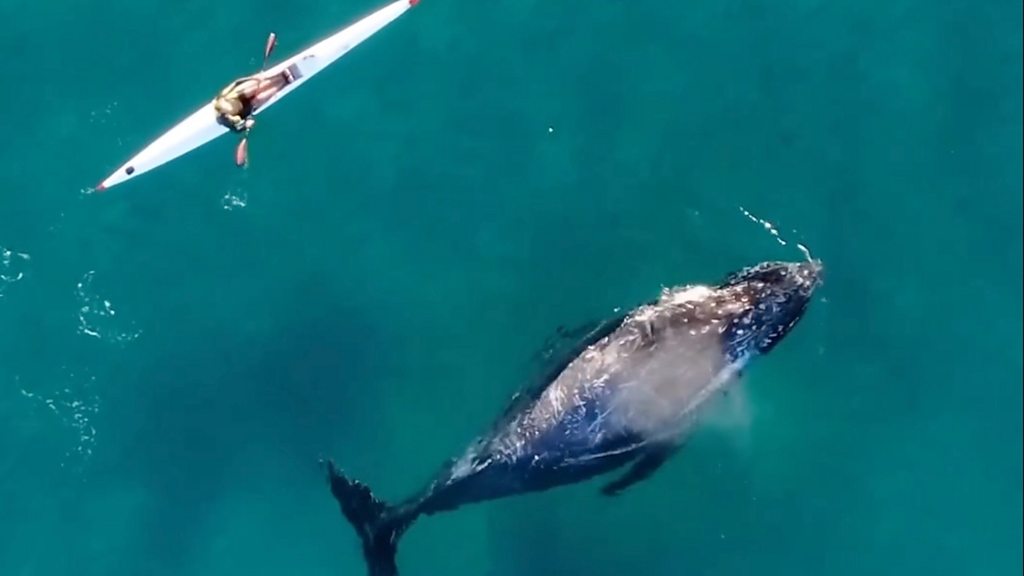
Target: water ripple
103,115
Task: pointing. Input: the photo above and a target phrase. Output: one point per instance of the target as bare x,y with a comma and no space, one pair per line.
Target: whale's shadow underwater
627,393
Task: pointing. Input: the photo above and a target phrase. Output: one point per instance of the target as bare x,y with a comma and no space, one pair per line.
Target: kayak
202,126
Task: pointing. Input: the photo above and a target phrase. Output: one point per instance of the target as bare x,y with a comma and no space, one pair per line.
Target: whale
624,394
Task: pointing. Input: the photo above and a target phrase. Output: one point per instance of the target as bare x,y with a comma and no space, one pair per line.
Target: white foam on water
234,199
97,317
74,406
774,231
12,267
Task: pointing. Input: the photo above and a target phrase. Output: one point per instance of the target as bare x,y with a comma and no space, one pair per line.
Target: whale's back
642,382
656,393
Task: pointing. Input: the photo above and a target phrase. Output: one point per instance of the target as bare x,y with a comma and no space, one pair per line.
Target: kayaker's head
228,105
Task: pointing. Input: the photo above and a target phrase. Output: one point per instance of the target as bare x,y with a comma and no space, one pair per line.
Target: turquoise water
176,353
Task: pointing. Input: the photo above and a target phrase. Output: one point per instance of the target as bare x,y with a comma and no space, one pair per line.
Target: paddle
271,42
242,152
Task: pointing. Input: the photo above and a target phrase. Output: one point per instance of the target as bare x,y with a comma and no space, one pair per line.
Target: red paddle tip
413,2
242,153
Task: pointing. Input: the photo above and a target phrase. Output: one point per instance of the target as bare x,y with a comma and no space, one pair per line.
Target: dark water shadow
226,411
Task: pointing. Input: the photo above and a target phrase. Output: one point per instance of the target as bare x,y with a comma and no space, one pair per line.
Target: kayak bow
201,126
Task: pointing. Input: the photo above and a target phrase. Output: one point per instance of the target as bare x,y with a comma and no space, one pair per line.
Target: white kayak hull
201,126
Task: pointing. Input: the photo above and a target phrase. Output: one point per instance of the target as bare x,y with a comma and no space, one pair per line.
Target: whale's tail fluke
378,524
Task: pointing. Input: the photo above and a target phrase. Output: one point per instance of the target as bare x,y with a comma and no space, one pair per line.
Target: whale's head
772,297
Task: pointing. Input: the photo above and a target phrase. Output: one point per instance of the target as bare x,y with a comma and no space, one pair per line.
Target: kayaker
236,103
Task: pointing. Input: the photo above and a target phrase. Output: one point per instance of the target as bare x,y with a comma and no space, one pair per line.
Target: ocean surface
416,222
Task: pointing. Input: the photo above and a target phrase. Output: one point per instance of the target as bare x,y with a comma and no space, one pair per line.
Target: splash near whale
624,397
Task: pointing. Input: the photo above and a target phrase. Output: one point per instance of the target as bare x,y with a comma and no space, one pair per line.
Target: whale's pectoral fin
642,469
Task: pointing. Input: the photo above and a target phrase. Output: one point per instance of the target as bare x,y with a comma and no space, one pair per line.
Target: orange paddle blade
242,152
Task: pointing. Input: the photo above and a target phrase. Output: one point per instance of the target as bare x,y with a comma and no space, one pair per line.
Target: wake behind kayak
207,123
